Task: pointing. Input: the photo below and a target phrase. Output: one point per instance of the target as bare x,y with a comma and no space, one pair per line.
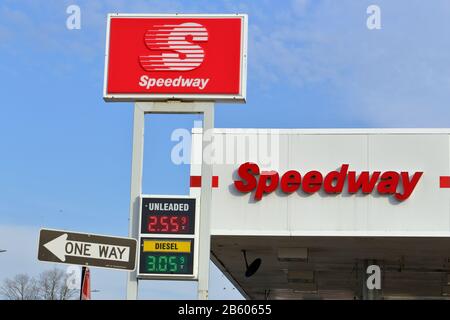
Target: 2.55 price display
166,256
168,216
167,224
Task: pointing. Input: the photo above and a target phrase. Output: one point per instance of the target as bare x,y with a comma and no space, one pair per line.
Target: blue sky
66,154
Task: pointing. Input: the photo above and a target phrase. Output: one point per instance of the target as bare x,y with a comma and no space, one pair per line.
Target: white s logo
185,56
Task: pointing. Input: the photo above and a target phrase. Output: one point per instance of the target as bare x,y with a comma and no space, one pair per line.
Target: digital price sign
166,256
167,216
168,237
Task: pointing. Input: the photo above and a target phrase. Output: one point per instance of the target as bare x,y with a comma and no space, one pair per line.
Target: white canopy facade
315,238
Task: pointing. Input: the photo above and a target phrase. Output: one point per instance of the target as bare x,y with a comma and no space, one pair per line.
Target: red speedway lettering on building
398,184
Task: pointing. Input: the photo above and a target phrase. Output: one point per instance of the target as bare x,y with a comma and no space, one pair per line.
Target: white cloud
397,76
21,255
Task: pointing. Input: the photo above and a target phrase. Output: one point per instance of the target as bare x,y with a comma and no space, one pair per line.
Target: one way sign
87,249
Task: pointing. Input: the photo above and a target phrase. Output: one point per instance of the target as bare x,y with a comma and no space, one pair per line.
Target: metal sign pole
140,109
83,273
205,207
136,190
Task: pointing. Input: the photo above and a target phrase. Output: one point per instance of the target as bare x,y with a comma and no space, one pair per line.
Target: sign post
140,109
182,64
205,206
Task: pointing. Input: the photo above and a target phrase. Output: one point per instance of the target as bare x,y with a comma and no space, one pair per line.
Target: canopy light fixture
301,276
305,288
292,254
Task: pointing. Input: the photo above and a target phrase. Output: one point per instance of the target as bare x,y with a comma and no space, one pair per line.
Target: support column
135,192
205,207
140,109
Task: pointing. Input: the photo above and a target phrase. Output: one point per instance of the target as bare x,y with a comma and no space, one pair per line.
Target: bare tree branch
21,287
51,285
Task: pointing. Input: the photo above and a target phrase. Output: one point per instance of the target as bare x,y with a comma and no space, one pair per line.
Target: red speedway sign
398,184
182,57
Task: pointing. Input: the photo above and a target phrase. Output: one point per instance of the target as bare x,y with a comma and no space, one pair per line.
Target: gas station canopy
318,245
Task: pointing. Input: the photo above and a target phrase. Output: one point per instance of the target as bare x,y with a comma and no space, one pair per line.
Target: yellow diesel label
167,246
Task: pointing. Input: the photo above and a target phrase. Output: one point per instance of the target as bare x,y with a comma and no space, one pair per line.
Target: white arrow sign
61,247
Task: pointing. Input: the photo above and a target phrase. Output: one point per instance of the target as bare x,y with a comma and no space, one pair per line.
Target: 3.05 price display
164,256
168,216
167,263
